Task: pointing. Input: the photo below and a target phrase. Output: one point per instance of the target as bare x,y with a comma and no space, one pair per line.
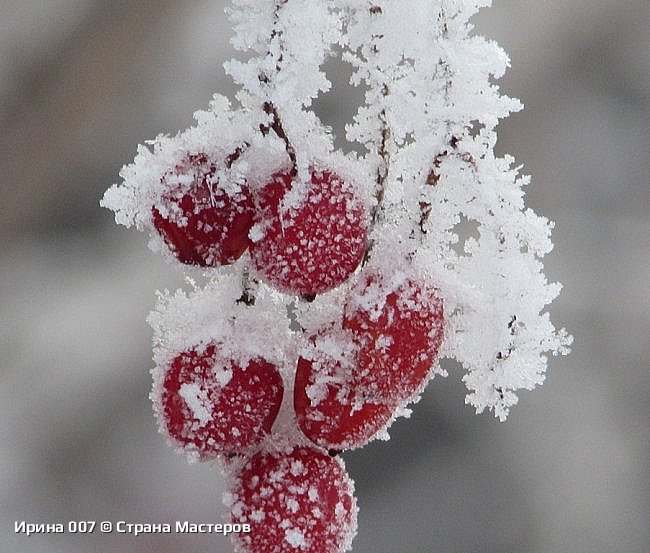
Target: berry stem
249,285
268,106
278,129
236,154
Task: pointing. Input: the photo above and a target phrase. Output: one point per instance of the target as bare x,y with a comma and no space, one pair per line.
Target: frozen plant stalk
332,283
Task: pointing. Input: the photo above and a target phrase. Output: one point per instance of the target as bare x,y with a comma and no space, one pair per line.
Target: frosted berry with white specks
300,501
328,408
202,223
400,331
210,405
314,234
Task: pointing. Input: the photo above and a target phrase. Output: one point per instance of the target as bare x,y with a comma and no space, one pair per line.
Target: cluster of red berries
351,376
306,249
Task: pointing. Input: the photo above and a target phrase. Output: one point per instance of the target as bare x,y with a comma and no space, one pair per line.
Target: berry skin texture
202,223
400,333
329,411
296,502
210,406
311,245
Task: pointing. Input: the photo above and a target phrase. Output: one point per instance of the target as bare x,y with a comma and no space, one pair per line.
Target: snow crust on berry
196,399
311,510
184,320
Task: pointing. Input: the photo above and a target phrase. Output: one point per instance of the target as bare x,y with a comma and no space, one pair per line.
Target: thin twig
277,127
382,175
268,106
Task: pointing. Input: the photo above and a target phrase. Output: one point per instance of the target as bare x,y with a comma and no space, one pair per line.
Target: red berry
328,408
300,501
400,332
211,405
313,243
202,223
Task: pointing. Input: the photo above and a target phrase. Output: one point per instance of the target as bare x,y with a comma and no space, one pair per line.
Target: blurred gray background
83,82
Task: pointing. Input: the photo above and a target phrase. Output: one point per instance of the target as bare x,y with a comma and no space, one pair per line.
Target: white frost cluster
428,125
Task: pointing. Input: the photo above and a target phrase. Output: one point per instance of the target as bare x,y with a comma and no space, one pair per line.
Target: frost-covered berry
203,221
328,408
313,235
296,502
210,405
400,330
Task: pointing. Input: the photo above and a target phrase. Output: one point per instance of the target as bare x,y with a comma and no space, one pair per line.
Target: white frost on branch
429,125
